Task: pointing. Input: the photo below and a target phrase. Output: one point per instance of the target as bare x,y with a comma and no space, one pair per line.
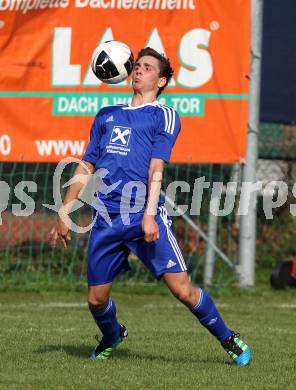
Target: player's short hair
164,64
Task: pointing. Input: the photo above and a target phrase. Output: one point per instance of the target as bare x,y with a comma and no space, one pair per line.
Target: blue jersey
123,141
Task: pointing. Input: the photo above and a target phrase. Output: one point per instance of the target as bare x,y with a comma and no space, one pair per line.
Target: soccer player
132,142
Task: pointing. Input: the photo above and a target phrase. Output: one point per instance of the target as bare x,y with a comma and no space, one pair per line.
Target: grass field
46,339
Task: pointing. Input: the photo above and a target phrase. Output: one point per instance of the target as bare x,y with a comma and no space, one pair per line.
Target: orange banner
49,95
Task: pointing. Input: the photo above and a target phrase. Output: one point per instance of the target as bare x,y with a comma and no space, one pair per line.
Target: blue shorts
109,247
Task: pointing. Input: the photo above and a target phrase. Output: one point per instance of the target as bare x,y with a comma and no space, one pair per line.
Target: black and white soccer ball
112,62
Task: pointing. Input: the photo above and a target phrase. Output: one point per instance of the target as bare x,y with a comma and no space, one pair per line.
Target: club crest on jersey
120,136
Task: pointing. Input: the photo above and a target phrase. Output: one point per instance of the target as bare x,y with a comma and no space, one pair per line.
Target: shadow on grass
178,359
80,351
84,351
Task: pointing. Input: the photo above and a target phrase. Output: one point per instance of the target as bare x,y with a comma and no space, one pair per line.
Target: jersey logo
110,119
120,135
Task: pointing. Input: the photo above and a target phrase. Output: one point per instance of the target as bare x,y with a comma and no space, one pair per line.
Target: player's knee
187,295
184,295
97,302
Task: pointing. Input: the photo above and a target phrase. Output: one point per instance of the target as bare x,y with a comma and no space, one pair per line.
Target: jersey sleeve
169,127
92,152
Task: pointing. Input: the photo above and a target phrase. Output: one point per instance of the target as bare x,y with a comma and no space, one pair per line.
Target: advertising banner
49,95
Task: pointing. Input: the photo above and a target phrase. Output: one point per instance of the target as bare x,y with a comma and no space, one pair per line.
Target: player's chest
128,130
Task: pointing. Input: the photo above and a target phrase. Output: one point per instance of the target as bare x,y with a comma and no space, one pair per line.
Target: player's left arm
168,130
149,226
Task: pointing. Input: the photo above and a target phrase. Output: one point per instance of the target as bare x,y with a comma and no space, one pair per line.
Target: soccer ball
112,62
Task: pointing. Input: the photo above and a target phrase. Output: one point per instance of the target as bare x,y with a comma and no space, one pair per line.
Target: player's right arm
61,231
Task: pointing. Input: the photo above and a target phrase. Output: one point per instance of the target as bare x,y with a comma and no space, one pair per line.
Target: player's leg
103,310
164,258
199,302
204,309
107,256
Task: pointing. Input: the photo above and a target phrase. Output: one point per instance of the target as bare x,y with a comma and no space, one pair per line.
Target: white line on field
174,305
54,305
285,306
73,305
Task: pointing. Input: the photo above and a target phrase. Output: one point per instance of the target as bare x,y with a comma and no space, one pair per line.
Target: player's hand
150,228
61,233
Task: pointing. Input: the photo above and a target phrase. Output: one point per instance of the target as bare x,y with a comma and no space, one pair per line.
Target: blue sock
206,312
106,320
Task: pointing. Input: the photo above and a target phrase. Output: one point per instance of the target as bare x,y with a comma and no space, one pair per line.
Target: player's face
145,75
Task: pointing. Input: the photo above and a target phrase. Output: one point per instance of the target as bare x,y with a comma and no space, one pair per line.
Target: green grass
46,346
